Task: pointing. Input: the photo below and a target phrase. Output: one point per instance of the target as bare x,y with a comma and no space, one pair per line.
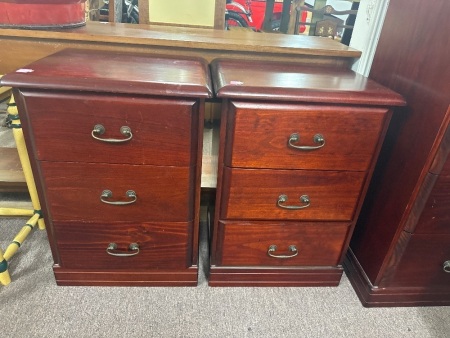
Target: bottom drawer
161,245
297,244
425,263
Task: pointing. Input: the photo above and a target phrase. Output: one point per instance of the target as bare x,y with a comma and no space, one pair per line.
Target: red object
42,13
257,9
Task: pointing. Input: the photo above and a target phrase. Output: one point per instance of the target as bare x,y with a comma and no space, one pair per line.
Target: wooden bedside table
115,144
297,150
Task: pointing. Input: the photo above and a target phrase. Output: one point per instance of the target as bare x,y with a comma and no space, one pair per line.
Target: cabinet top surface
300,83
115,72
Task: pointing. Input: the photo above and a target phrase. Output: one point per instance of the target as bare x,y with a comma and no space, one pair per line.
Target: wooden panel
247,244
253,194
422,263
375,296
422,77
161,245
73,192
275,277
11,174
294,82
112,71
435,217
163,131
262,131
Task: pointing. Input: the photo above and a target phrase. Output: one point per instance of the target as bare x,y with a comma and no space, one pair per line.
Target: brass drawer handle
294,138
273,248
446,266
283,199
133,250
100,130
108,194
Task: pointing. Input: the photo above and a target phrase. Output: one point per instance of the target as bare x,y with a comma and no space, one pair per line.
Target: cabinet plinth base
372,296
232,276
70,277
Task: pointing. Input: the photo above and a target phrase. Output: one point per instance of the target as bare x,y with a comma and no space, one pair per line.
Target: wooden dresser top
294,82
116,72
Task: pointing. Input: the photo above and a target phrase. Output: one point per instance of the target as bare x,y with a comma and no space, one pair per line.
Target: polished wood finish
247,243
113,74
12,178
298,83
258,137
163,129
253,194
73,190
25,46
408,205
72,170
275,277
263,104
161,245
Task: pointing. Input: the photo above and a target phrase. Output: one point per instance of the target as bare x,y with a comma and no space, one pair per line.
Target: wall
183,12
366,32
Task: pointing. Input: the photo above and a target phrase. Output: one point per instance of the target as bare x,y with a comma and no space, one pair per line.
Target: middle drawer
258,194
74,192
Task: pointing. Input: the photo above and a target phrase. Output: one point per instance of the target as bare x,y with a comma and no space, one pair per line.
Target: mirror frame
219,14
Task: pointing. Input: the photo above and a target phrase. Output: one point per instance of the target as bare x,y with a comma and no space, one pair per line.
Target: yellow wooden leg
24,159
20,237
16,212
5,278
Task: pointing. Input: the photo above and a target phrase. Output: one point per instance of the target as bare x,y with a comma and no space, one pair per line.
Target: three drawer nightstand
297,149
115,142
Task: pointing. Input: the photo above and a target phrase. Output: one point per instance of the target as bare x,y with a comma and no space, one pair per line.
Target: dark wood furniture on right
400,252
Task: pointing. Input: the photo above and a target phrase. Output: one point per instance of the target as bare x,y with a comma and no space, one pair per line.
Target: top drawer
162,131
280,136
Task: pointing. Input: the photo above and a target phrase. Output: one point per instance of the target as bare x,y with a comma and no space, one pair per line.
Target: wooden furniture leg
36,213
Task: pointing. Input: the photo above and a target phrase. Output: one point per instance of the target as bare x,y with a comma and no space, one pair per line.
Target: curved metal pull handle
100,130
294,138
133,250
108,194
273,248
446,266
304,199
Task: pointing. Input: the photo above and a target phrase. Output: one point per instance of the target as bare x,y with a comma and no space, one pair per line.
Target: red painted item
253,11
42,13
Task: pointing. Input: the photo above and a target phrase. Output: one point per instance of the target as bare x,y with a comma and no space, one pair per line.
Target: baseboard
232,276
67,277
373,296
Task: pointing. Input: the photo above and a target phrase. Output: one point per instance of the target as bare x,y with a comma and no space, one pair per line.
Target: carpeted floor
33,306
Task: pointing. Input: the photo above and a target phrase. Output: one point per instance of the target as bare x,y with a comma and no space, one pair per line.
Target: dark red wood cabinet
298,145
115,144
400,251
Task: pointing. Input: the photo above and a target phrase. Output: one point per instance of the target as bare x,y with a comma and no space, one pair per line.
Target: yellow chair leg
24,159
36,214
20,237
5,278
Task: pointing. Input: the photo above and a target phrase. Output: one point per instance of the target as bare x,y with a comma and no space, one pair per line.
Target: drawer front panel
422,264
248,243
74,190
255,194
262,133
161,245
435,217
163,131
